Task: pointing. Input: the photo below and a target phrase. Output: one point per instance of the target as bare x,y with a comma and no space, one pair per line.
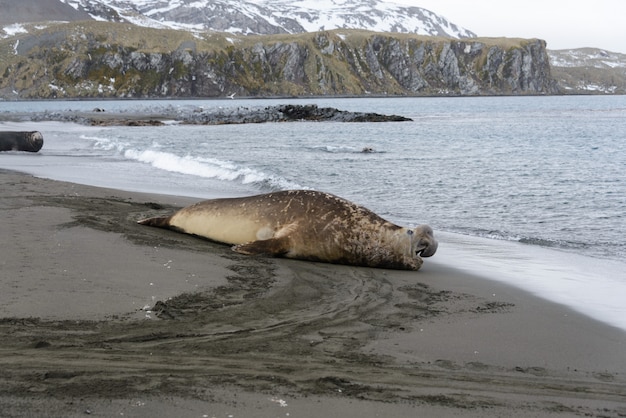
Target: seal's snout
427,245
430,249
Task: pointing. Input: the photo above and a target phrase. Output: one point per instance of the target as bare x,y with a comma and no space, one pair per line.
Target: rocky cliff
102,59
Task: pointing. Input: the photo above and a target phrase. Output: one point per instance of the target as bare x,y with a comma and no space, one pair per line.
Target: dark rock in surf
313,112
285,113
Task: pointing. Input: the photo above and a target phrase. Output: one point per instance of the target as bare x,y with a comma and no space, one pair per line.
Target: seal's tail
159,222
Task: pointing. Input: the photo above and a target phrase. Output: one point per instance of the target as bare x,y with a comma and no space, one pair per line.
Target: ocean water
527,190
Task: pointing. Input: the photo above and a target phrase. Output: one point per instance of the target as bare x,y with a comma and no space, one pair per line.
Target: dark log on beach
21,141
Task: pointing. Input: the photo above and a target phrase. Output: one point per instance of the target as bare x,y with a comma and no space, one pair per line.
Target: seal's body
21,141
306,225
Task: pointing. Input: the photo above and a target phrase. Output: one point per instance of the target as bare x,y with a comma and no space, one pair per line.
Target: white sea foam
589,285
337,148
208,168
106,144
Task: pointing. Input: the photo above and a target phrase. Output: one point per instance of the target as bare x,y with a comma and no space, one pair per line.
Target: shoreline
100,314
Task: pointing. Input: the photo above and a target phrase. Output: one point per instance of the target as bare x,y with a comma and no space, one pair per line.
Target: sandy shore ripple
100,316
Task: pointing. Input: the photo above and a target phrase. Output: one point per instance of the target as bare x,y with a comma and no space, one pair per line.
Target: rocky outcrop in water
286,113
156,116
116,60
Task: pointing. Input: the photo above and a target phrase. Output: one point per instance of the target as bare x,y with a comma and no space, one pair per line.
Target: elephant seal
305,225
21,141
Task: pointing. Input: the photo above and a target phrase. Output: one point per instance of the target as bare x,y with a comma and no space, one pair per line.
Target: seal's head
423,242
35,141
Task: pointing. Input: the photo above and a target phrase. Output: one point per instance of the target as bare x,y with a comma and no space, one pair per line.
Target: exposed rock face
463,67
75,61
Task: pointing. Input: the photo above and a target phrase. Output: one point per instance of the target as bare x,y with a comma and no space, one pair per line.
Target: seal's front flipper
275,247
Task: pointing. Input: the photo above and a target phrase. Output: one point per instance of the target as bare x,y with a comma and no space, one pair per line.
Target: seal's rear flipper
159,222
273,246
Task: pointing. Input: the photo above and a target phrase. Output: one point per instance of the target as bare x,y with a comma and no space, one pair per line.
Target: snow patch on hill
272,16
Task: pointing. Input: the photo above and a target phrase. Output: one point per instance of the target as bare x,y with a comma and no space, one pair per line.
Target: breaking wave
209,168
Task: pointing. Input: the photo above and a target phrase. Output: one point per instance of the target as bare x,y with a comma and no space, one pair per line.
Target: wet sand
101,316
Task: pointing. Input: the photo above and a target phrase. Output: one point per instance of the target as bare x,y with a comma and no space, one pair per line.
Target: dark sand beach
103,317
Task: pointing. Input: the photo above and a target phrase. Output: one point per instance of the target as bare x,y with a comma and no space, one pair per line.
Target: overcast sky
562,23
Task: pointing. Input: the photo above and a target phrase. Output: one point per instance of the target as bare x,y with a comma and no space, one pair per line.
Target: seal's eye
410,232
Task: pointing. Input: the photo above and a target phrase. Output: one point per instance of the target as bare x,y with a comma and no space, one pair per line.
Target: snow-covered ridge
587,57
272,16
589,70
